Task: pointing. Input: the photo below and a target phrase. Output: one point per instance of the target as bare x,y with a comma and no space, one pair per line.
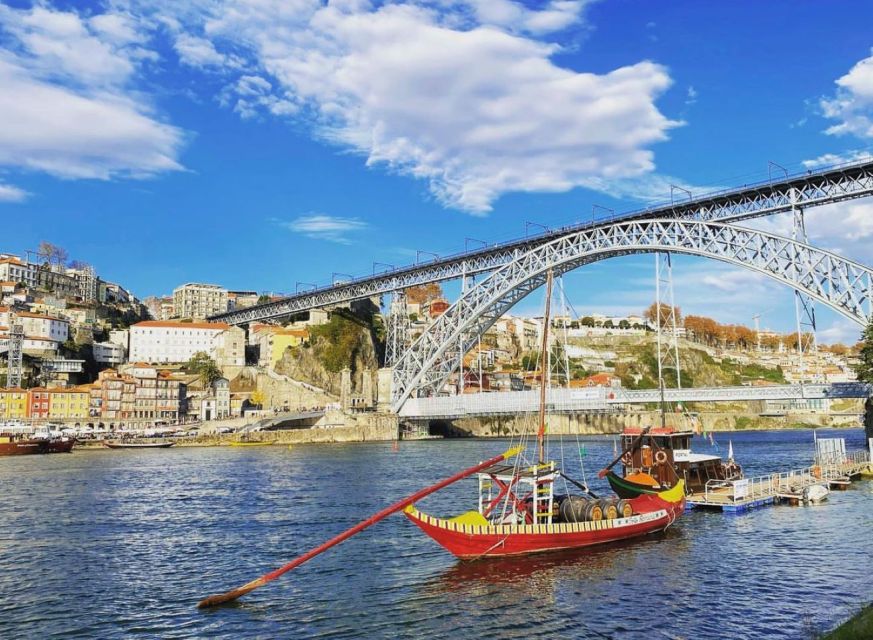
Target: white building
158,341
199,301
13,269
121,337
41,326
108,353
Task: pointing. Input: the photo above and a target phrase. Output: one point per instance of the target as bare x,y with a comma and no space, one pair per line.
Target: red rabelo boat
520,512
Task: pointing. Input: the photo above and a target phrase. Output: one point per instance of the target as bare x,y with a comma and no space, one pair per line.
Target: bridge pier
868,418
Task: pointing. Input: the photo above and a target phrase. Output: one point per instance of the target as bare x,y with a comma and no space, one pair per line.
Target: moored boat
16,444
656,459
138,445
520,513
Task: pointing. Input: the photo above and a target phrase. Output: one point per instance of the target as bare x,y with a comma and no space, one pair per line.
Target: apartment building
108,353
13,404
199,301
156,341
143,394
13,269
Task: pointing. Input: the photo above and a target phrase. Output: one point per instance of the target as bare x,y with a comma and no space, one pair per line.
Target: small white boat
816,493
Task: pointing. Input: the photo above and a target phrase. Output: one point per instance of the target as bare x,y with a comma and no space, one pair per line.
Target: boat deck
737,496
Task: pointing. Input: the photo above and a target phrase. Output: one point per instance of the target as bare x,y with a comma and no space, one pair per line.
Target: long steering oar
602,473
221,598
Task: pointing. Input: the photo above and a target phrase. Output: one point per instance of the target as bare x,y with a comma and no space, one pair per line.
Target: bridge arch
841,284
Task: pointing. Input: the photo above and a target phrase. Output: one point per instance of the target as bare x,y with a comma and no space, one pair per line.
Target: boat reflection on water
535,573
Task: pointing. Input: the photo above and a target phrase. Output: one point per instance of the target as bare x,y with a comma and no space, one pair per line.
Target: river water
118,544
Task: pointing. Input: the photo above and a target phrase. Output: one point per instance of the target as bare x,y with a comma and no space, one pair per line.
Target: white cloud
460,94
68,105
322,227
852,105
10,193
841,330
691,96
831,159
197,52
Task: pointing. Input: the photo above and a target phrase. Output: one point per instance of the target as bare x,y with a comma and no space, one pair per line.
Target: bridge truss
826,277
804,190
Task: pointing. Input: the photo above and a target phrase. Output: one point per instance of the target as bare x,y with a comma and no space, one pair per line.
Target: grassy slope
859,627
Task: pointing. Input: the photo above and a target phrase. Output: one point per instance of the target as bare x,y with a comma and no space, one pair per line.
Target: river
120,544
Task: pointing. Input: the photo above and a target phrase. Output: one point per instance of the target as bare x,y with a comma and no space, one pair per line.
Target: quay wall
592,424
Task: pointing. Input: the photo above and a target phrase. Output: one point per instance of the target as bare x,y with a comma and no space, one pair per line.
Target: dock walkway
736,496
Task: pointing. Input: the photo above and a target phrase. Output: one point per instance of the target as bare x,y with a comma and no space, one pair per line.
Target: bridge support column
868,418
346,389
384,378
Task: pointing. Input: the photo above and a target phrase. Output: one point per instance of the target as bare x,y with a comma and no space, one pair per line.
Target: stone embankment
591,424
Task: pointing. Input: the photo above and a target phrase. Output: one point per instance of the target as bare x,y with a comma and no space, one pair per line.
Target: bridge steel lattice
841,284
809,189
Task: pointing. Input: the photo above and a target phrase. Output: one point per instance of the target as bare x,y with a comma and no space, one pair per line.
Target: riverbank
611,423
859,627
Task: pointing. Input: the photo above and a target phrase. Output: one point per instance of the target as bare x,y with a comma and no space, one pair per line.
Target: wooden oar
602,473
221,598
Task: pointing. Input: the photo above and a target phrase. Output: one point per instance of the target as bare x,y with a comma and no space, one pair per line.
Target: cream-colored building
156,341
199,301
229,347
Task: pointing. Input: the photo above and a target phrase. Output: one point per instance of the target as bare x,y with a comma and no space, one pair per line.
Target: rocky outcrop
344,343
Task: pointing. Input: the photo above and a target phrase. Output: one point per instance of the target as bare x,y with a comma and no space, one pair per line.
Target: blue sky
264,142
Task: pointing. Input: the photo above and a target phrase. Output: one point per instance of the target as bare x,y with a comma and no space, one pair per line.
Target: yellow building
273,341
70,403
13,404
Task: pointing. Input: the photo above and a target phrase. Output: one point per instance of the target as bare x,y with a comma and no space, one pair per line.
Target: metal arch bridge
841,284
601,399
800,191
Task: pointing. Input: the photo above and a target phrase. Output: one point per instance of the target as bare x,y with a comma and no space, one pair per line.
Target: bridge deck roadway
600,399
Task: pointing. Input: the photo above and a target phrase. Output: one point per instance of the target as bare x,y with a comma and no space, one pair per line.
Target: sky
259,144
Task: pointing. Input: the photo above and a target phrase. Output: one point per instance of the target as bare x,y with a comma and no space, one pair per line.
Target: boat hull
143,445
628,489
471,542
34,447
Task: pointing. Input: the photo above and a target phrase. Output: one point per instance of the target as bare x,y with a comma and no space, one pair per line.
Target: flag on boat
730,450
583,451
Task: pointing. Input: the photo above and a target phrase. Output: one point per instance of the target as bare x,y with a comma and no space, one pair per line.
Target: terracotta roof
10,261
12,390
39,316
166,324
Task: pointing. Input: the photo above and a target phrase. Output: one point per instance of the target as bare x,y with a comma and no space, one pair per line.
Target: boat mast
541,432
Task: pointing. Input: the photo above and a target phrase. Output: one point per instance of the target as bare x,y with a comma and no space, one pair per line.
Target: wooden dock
737,496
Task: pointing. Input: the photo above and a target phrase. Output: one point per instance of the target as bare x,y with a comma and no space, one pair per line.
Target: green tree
205,367
864,368
263,298
587,321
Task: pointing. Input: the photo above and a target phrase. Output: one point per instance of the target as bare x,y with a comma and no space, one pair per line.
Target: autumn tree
424,293
651,314
258,398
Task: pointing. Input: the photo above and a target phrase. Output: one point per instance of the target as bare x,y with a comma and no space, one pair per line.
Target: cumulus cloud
464,95
323,227
68,105
10,193
852,105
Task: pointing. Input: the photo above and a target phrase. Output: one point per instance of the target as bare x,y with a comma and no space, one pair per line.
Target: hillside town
91,352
